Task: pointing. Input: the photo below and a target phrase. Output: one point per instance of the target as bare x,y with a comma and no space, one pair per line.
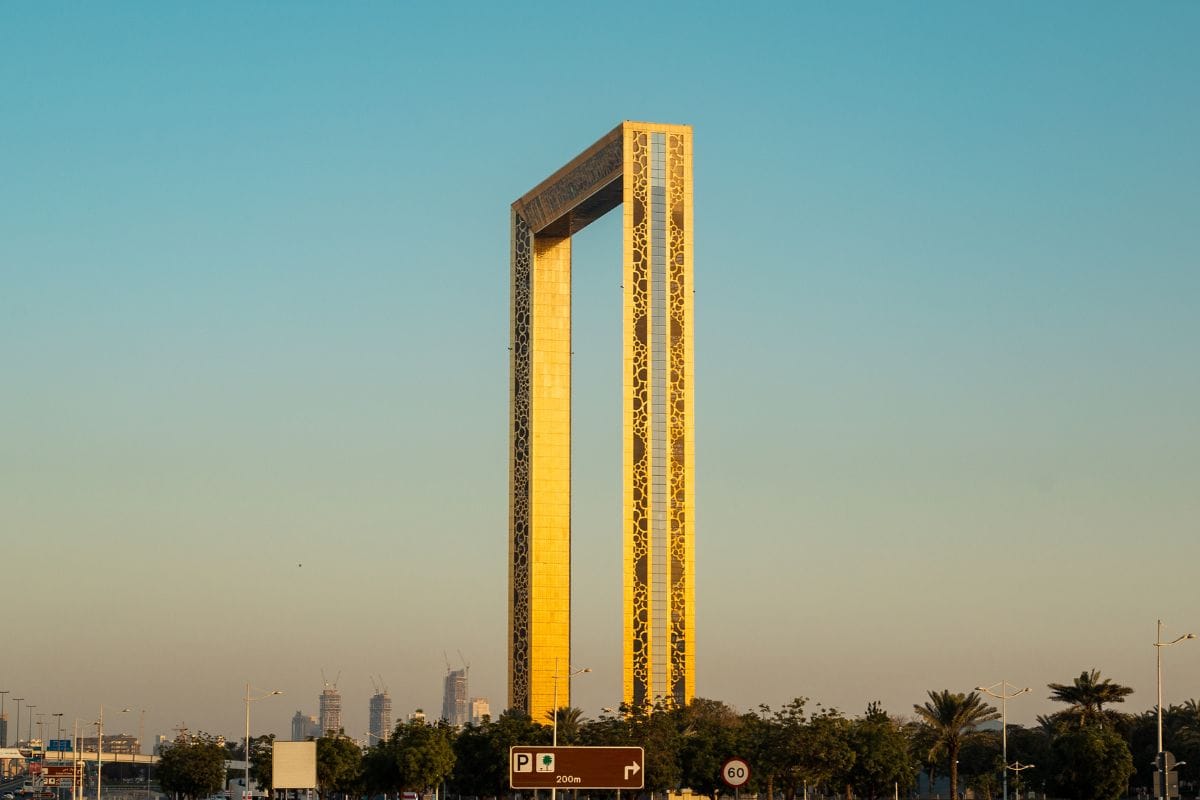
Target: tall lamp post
1018,768
571,673
17,733
100,748
1159,644
141,743
58,791
28,728
249,700
76,751
1003,696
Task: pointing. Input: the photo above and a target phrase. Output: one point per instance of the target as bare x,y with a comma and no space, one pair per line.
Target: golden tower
647,169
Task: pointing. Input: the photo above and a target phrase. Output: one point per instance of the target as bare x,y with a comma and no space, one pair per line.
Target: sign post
537,767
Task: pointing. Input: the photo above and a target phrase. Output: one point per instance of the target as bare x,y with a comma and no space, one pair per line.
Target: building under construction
331,710
455,708
380,715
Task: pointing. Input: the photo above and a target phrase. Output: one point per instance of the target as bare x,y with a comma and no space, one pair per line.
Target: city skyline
254,323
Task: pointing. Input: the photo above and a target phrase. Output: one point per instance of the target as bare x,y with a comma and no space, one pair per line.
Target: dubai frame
646,168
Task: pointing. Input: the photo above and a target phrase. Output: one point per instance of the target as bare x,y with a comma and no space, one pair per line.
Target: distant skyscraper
380,717
454,698
304,726
3,730
480,708
331,711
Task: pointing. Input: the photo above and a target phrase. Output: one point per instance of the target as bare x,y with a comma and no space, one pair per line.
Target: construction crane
466,665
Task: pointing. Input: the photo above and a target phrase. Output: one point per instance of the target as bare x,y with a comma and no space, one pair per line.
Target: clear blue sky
254,315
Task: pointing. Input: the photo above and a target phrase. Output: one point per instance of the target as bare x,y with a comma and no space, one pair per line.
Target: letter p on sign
522,762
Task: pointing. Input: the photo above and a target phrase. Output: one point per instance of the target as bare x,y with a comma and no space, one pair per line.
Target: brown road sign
533,767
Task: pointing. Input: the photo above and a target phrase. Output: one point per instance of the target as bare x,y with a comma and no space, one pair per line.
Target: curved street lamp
100,747
571,673
1003,696
1018,768
1159,644
249,700
17,737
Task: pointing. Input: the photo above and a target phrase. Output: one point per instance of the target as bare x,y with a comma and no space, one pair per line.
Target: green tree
417,756
570,720
339,765
758,745
981,763
1091,763
793,748
261,750
709,736
1028,746
655,727
606,731
193,766
881,755
824,754
481,752
948,717
1087,695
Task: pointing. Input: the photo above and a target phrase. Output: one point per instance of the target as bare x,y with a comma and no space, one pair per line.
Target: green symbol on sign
547,759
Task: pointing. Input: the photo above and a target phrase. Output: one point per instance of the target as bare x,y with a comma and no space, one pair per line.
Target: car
8,796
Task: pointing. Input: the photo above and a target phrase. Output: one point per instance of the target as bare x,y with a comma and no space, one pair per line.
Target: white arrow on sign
632,769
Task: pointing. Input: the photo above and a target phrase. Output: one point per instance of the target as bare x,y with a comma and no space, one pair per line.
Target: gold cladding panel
638,591
550,583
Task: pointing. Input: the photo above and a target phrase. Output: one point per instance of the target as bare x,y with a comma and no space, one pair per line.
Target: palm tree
1087,695
569,720
949,717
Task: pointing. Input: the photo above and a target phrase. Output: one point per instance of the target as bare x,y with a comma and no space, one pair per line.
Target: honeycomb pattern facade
646,169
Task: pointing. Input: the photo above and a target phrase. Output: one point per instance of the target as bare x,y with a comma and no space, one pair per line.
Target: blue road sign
59,745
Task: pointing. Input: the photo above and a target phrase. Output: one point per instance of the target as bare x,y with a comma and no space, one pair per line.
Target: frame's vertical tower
648,168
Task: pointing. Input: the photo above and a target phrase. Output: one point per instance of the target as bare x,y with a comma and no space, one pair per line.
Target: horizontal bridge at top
585,188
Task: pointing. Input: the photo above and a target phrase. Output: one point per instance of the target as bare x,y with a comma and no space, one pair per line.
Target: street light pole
249,700
554,712
58,791
17,736
100,749
1159,644
1003,697
141,744
1018,768
29,728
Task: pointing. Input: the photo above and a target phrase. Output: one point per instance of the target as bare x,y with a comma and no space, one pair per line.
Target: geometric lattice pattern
647,169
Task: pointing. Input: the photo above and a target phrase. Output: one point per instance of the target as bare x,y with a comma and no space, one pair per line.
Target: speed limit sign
735,772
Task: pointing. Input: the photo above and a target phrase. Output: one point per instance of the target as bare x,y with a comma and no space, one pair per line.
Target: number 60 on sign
735,772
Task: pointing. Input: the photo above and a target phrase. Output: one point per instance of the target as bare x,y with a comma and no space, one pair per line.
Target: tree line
1086,751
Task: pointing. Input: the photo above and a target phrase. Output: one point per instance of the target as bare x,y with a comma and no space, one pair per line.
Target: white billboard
294,765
